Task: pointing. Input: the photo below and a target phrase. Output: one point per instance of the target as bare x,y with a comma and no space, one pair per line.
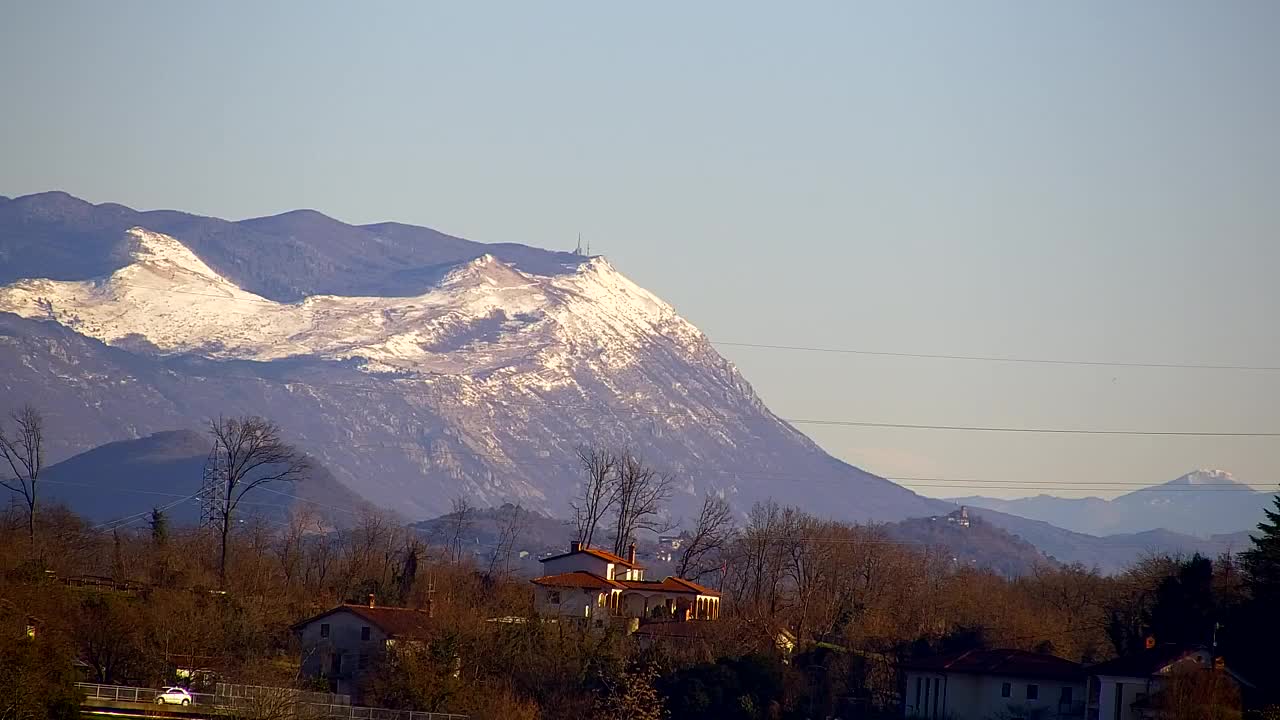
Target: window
917,696
1065,698
324,630
553,597
1033,692
364,633
1006,689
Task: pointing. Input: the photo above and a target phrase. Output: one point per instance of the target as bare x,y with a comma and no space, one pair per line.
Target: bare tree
460,520
23,451
290,549
1197,693
247,454
641,493
599,490
510,526
710,536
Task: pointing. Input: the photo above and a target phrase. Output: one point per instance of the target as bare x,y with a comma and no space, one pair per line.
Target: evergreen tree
1186,610
1250,638
159,527
1262,561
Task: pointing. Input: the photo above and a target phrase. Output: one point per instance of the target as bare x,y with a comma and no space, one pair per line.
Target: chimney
372,600
631,553
575,546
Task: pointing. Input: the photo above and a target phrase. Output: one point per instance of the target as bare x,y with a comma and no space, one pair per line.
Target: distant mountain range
125,479
411,365
1202,503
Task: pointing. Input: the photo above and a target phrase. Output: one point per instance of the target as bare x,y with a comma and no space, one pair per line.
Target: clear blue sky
1090,180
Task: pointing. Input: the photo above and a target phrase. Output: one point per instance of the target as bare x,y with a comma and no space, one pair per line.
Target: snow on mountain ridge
482,315
1206,476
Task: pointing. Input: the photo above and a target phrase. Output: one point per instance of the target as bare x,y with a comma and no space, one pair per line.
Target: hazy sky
1086,180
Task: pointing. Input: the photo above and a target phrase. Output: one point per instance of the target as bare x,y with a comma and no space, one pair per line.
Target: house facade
1122,689
342,645
598,589
979,684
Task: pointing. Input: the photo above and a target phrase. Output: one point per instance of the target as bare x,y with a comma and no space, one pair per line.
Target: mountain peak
299,223
52,204
485,269
157,251
1207,476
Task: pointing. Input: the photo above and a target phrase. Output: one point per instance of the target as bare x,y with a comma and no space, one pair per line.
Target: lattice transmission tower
212,487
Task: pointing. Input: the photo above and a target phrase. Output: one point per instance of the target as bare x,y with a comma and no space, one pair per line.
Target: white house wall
978,697
576,562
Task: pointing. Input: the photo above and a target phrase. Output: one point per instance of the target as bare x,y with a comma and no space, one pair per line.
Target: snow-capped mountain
1219,504
482,315
414,365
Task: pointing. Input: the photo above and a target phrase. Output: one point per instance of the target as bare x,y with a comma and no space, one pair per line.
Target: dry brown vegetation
854,601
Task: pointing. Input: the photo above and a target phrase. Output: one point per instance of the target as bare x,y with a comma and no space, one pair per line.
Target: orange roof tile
578,578
396,622
670,584
602,554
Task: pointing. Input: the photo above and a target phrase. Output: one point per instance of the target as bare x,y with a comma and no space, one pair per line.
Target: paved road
120,700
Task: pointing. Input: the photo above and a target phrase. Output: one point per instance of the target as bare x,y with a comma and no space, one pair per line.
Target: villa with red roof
599,588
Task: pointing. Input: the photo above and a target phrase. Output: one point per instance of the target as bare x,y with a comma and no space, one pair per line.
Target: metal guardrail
356,712
118,693
328,711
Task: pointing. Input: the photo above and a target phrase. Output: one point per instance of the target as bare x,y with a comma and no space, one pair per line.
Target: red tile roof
670,584
1004,663
603,555
579,579
396,622
700,589
1145,662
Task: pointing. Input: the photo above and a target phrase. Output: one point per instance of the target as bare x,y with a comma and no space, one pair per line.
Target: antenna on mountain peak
578,250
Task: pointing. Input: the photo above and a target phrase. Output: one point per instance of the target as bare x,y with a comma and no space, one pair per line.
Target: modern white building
981,684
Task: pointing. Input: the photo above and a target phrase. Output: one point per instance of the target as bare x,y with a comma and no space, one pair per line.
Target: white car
175,696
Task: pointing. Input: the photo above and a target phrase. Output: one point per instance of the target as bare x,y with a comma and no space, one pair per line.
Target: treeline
815,613
854,602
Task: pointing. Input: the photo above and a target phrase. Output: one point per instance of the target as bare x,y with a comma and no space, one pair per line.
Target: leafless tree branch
599,491
711,535
23,451
248,453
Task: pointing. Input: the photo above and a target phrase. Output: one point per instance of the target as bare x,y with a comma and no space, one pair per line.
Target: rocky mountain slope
459,368
1201,503
415,366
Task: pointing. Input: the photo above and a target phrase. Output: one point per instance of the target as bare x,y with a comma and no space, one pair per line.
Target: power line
999,358
932,481
1055,431
607,410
